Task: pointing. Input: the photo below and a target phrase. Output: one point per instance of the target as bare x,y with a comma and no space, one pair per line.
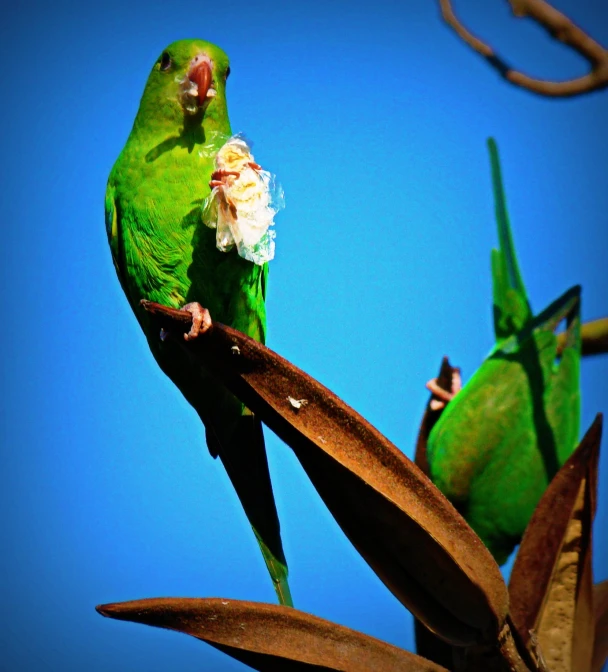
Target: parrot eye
165,62
228,72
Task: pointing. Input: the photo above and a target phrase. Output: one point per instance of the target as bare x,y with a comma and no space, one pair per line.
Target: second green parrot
188,212
502,438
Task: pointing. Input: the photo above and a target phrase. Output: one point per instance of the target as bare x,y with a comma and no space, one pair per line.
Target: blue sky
374,117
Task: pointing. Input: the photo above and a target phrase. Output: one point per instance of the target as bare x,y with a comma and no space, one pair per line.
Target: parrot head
188,80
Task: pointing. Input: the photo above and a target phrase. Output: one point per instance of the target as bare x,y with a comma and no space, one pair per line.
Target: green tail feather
511,307
278,571
244,457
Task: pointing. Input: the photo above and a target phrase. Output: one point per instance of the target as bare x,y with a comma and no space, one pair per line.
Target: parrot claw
444,396
219,177
436,405
201,320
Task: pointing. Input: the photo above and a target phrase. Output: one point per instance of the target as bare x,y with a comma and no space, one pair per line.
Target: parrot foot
201,320
444,397
218,177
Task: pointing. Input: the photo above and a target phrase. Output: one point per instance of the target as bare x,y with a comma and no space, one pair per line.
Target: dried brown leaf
430,646
406,530
503,655
550,587
600,613
269,637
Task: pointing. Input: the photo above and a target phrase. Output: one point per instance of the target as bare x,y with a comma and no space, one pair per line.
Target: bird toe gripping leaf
442,397
243,202
201,320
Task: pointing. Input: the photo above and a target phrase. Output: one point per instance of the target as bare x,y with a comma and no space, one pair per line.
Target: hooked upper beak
200,74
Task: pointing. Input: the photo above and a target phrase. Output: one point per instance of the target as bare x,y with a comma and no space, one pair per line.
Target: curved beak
200,74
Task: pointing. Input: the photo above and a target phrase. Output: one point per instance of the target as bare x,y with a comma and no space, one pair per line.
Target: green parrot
502,438
163,188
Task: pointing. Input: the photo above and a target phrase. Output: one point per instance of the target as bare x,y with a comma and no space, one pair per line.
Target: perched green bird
187,215
502,438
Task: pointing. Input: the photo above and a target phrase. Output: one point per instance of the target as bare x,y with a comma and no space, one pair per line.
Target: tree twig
594,336
561,28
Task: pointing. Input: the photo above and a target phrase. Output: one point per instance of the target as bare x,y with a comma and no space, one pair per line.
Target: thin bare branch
594,336
561,28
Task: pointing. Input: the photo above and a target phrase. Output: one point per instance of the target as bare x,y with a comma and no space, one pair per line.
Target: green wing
502,438
112,228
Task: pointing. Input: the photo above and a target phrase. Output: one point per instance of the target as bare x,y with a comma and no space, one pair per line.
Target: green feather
502,438
163,251
511,307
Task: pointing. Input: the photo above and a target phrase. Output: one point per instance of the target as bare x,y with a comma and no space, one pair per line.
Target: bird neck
168,125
